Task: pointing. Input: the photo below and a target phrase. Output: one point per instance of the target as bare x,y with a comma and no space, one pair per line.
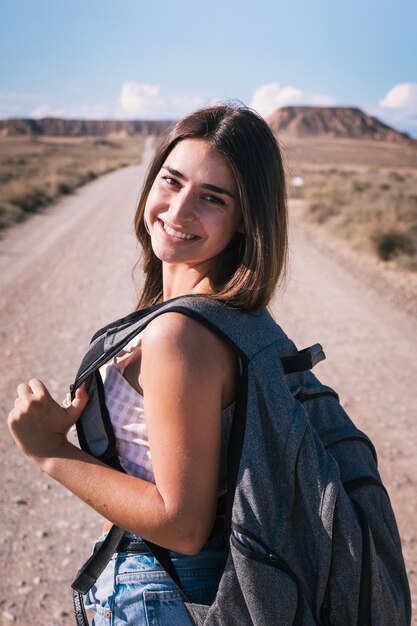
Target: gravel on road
67,272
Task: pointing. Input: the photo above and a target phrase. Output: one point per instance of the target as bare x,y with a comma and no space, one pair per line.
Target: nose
183,207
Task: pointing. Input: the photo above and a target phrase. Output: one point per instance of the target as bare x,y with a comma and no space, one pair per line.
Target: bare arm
186,373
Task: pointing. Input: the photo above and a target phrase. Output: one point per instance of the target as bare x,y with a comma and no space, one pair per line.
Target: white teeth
176,233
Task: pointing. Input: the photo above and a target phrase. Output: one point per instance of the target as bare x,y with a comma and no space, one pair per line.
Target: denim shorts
134,589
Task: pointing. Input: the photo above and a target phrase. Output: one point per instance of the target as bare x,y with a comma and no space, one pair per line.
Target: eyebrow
208,186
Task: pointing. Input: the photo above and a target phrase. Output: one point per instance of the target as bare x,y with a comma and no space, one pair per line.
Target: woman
211,220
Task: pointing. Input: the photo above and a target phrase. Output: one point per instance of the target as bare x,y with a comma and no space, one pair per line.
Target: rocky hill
349,122
53,126
298,121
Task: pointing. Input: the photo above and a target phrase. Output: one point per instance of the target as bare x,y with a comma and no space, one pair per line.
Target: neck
180,281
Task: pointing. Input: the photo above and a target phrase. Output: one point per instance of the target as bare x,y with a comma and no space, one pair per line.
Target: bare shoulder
175,331
179,340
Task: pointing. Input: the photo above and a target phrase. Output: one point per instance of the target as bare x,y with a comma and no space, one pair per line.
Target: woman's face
193,211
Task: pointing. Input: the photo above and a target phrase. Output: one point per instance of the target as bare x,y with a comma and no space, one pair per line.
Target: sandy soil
366,323
61,278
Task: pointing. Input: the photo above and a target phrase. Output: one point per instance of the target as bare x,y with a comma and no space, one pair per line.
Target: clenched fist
40,425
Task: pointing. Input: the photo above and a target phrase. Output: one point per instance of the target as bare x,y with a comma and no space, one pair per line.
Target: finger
81,395
13,414
20,403
38,387
24,390
79,402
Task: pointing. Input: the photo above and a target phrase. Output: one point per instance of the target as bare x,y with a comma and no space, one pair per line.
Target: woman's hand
38,424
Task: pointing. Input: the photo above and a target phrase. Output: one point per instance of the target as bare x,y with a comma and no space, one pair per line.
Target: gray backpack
312,535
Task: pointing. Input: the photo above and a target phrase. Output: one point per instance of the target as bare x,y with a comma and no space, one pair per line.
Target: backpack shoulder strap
246,332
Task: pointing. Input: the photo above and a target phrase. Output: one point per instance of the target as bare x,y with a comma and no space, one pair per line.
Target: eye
172,182
214,200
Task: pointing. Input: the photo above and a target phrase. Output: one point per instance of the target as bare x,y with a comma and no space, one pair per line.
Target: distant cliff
299,121
78,128
349,122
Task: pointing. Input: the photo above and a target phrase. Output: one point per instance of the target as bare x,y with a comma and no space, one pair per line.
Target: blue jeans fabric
134,589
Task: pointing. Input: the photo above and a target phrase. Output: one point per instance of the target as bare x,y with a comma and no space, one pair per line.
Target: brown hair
246,273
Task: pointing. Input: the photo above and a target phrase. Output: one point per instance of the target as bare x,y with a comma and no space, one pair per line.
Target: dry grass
362,192
35,171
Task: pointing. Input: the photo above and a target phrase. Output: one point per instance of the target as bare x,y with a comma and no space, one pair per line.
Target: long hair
246,273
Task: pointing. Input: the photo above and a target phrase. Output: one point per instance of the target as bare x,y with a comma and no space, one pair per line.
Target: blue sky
160,59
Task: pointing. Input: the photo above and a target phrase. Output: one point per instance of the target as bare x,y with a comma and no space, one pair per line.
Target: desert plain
67,270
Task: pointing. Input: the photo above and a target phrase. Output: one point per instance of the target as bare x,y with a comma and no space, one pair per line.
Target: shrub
64,188
324,211
37,170
32,200
393,243
360,186
9,213
397,177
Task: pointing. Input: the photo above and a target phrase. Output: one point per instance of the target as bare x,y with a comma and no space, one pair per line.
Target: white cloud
399,107
136,101
45,110
403,97
267,98
141,100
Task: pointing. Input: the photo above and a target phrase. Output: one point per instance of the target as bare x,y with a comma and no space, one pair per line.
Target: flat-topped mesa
54,126
347,122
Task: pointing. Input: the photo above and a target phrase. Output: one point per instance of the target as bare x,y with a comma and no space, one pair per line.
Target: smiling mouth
177,233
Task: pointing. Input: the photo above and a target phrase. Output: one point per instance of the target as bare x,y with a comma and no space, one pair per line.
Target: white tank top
126,410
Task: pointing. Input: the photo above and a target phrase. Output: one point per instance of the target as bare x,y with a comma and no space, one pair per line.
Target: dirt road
62,277
369,344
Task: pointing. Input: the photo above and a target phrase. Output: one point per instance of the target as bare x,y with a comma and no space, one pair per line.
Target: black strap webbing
94,566
163,557
304,360
79,608
97,562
